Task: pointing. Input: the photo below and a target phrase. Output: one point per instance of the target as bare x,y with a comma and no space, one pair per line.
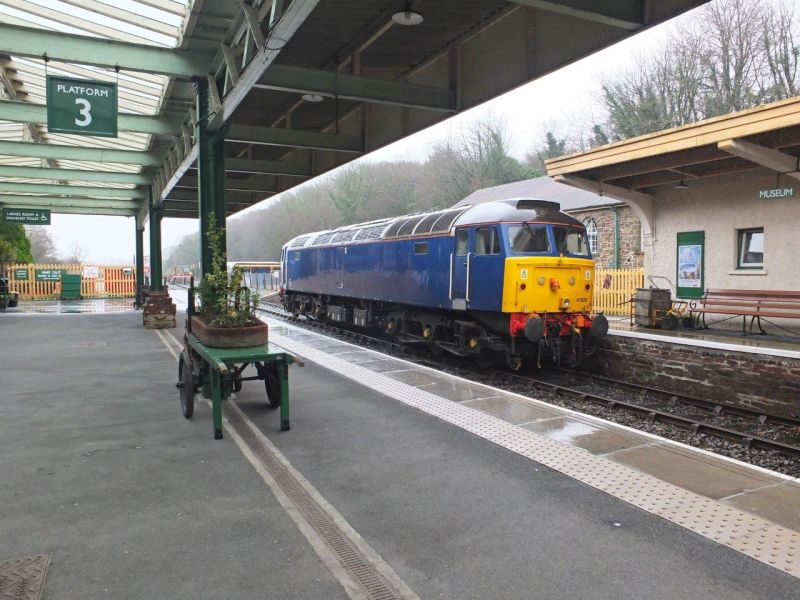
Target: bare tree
736,54
43,248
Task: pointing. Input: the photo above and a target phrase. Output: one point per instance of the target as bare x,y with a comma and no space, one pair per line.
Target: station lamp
681,185
407,16
312,97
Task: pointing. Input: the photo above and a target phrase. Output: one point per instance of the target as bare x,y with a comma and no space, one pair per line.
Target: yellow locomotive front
548,287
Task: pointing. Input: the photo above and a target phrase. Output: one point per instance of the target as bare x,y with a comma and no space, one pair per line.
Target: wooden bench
752,304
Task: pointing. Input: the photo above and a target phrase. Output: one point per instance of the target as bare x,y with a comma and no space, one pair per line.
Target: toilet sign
81,106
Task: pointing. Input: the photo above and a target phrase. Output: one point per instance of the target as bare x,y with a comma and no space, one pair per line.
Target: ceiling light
312,97
681,185
407,16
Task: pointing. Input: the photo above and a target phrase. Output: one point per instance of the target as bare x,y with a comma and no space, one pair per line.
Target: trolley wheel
273,385
186,384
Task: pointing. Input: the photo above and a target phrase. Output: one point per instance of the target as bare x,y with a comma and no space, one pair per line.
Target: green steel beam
267,167
156,281
332,84
211,179
182,195
55,45
25,112
296,138
74,175
589,13
70,190
139,261
61,152
238,185
55,201
74,210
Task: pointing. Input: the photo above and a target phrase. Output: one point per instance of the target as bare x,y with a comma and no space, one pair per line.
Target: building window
486,241
591,233
750,248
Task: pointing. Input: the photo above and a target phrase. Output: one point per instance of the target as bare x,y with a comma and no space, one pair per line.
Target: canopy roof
298,87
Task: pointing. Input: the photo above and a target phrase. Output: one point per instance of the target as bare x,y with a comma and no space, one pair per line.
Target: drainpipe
616,236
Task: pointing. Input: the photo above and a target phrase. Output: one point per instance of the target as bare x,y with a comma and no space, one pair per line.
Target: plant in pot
227,317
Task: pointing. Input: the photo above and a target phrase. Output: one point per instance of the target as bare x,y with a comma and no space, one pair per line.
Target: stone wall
766,383
630,250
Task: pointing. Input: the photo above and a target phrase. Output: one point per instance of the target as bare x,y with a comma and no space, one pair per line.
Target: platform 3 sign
27,216
81,106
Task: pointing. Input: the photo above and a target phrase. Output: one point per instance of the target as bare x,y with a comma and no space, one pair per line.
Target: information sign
21,274
48,274
690,263
787,192
81,106
91,272
27,216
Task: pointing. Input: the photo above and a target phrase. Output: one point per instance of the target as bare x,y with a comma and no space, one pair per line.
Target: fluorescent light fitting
312,97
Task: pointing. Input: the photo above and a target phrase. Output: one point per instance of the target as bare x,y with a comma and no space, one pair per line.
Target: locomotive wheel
186,385
484,360
273,384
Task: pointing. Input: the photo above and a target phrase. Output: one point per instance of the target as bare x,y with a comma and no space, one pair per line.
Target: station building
719,200
614,230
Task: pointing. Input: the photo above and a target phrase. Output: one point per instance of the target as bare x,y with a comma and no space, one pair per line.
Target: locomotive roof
513,210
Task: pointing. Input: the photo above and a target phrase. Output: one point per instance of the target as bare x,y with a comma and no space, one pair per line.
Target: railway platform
395,481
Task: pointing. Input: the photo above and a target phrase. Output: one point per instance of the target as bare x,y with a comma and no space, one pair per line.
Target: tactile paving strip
753,536
23,578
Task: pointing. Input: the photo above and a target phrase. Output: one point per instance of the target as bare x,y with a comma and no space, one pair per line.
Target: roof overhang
767,136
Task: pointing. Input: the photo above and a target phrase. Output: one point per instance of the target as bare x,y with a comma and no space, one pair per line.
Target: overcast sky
562,101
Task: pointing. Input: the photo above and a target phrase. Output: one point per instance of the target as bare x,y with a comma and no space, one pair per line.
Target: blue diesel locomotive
510,278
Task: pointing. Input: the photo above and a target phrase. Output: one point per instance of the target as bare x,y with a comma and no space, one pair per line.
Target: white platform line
318,544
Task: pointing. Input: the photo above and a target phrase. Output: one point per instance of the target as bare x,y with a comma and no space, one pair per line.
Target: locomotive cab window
572,241
486,241
528,238
462,239
421,248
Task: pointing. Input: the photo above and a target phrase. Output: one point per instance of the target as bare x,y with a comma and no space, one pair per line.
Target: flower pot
230,337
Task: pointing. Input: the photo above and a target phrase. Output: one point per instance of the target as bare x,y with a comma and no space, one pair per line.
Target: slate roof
541,188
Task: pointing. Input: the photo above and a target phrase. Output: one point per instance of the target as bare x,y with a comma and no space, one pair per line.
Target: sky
560,101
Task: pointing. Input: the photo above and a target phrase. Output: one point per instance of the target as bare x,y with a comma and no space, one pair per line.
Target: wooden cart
217,372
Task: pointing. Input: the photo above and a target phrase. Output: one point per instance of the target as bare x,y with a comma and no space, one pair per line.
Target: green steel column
210,174
616,237
156,281
139,262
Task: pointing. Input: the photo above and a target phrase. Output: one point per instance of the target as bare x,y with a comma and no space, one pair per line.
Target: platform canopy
293,88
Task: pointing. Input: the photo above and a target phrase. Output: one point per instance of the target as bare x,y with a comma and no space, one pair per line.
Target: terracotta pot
230,337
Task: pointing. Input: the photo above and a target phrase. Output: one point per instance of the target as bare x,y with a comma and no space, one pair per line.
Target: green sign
48,274
787,192
27,216
81,106
691,264
21,274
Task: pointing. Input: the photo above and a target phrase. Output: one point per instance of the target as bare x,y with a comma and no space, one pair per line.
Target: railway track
650,405
650,414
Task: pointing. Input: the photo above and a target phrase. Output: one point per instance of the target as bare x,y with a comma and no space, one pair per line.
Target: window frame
741,237
592,237
495,241
465,233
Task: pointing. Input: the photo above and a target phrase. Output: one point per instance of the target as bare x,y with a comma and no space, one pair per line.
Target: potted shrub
227,317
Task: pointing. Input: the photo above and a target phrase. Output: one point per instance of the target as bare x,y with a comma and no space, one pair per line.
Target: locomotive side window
529,238
486,241
570,240
462,237
421,248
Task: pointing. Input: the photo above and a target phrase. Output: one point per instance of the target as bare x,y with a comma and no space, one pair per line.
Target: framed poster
691,264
